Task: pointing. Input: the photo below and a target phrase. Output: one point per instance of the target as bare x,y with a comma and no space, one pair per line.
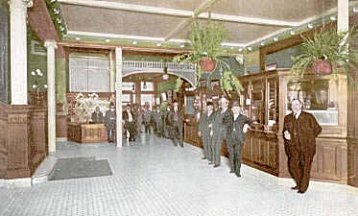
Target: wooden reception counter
86,133
266,99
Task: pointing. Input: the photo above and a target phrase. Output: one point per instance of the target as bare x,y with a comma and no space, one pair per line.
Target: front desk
86,133
266,99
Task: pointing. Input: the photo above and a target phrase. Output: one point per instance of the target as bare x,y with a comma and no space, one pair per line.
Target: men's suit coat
237,132
303,130
204,123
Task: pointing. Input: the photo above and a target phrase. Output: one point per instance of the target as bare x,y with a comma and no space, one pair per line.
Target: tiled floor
152,177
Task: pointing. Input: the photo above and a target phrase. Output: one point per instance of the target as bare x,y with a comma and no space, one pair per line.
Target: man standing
97,116
157,121
221,124
110,123
237,138
175,119
130,123
299,132
205,126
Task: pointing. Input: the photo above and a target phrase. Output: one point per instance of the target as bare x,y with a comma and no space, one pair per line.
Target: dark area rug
70,168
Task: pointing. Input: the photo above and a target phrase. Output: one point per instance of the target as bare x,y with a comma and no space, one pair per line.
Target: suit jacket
237,135
172,118
97,117
222,123
110,119
125,116
303,130
204,123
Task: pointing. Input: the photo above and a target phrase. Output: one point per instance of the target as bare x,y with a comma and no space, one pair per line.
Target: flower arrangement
85,106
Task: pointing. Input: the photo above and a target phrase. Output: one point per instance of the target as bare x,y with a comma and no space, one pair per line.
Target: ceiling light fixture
249,48
107,40
333,18
310,25
262,44
240,50
134,42
77,38
292,32
275,39
159,44
181,45
355,10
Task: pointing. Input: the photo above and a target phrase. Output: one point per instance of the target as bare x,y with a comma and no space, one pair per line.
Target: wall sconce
144,85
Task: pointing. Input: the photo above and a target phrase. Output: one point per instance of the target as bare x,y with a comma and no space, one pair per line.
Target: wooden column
352,128
19,141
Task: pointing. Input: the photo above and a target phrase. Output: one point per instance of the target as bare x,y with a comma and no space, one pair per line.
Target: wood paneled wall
23,139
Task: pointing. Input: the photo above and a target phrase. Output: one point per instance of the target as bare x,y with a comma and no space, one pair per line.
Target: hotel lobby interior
62,59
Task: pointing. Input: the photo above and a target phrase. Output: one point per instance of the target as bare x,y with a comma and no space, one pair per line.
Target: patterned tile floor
153,178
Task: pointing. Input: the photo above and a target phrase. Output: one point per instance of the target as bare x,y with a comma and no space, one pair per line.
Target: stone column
18,47
51,94
119,68
343,15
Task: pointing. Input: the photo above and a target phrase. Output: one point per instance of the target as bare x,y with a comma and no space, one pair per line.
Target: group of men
299,132
109,120
223,124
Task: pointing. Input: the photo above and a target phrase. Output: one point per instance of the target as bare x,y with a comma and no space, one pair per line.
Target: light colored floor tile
153,178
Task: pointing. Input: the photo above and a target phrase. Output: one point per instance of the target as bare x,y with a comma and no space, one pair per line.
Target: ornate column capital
21,3
50,44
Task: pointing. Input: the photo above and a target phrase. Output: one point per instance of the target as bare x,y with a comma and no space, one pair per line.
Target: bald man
299,132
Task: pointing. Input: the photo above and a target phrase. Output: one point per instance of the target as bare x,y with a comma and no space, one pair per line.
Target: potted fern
206,42
325,52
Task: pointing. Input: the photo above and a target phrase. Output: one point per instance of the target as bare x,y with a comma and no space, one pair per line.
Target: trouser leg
217,150
230,149
306,164
237,152
180,135
294,165
205,146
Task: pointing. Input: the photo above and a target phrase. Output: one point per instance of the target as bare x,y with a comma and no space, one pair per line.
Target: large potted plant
206,41
325,53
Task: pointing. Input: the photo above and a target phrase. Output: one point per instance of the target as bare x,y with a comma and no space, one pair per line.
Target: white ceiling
248,21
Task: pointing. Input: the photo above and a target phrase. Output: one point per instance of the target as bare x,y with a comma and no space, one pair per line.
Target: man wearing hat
204,129
221,125
236,138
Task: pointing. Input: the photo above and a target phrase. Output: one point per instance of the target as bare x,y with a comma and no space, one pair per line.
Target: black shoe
203,158
232,171
301,191
238,175
216,165
295,187
210,163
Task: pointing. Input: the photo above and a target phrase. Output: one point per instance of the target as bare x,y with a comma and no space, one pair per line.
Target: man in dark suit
130,122
204,128
221,124
97,116
299,132
175,120
110,123
236,138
